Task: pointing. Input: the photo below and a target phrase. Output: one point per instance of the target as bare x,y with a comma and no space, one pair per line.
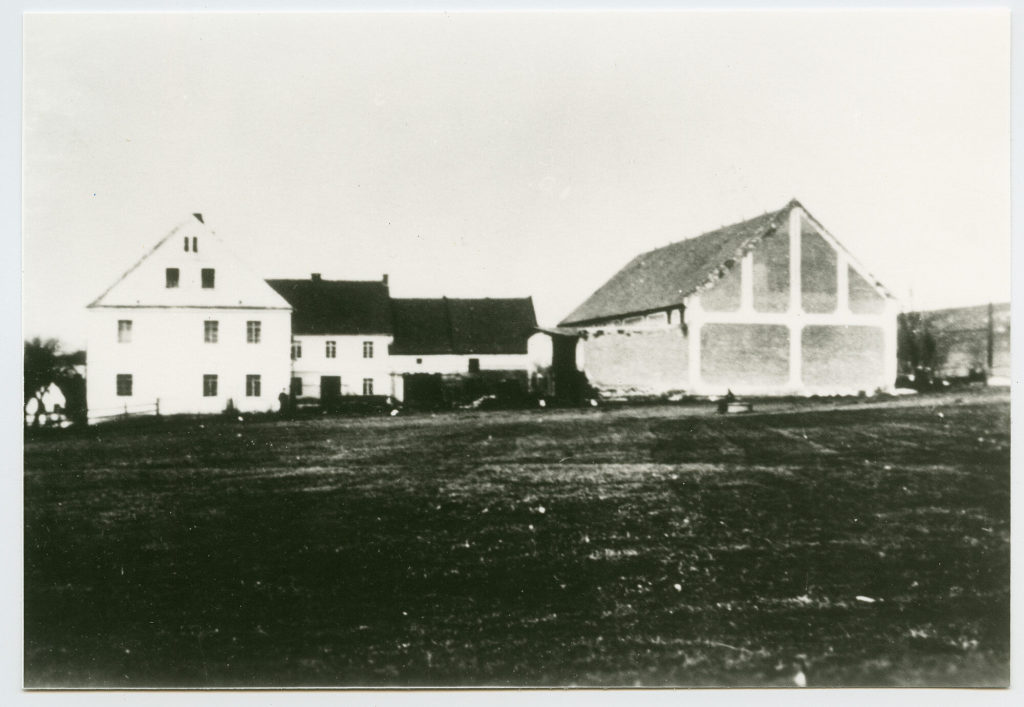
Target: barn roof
337,306
662,277
462,326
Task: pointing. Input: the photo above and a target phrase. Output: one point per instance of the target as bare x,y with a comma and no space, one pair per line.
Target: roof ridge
712,232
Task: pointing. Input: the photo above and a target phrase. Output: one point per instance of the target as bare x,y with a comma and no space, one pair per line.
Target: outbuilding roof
337,306
462,326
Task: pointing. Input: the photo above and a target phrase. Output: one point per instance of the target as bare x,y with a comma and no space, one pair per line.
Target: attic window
195,244
171,275
186,244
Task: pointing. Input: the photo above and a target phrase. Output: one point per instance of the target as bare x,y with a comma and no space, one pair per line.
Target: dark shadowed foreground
636,546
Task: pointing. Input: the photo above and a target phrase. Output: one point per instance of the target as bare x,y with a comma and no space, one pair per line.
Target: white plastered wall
168,356
348,363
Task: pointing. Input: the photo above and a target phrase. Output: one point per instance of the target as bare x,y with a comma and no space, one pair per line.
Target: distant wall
651,361
739,355
843,357
955,342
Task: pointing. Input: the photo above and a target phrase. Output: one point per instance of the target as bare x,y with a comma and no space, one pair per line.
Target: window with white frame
367,349
296,350
252,332
211,332
252,386
367,386
330,349
124,331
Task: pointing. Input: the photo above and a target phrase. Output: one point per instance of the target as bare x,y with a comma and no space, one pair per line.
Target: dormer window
186,244
172,277
207,278
195,244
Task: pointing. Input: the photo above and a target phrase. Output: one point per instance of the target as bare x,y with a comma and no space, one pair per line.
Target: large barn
769,306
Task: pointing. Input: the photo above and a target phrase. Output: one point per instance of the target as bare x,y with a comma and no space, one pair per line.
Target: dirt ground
860,542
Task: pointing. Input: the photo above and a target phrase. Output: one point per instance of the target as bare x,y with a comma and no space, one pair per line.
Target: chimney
199,218
316,277
384,279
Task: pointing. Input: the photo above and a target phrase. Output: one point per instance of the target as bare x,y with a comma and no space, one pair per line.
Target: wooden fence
125,411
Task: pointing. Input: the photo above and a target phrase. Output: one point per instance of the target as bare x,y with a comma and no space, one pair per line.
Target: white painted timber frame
795,319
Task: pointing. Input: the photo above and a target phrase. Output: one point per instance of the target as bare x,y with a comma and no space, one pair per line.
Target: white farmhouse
187,329
341,331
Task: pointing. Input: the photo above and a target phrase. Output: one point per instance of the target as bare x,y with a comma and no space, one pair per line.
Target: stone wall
771,273
738,355
818,271
864,299
843,358
724,296
651,361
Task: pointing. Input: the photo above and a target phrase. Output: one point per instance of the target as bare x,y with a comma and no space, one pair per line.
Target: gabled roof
337,306
663,277
462,326
143,284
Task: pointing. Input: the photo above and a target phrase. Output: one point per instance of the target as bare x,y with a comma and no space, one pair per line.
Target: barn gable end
771,305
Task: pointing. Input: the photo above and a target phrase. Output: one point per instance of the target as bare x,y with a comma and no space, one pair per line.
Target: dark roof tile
337,306
462,326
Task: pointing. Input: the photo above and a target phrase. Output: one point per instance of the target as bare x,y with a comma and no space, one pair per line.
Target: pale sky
501,155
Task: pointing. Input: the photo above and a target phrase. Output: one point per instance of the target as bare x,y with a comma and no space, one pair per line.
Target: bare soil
659,545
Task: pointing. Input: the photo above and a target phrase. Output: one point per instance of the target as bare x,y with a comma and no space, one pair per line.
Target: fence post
158,407
990,341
